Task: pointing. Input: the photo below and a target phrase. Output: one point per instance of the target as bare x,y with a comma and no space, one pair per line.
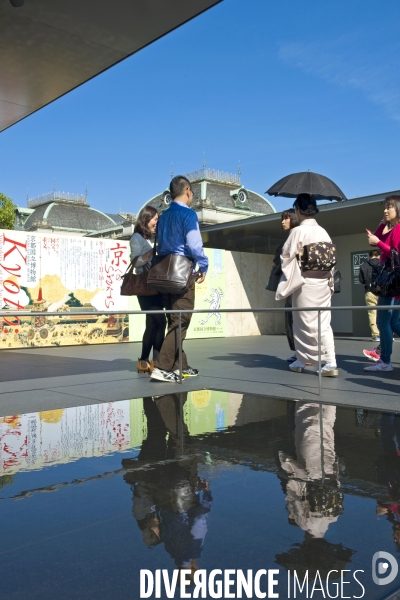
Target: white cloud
346,62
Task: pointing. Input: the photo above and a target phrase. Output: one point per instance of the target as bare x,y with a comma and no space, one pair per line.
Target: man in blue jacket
178,232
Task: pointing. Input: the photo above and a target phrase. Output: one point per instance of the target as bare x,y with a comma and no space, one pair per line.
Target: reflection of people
288,222
314,501
178,233
170,501
366,273
386,237
311,505
309,287
153,336
388,469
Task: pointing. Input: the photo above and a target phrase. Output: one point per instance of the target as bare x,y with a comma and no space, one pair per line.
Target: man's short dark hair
374,254
178,186
290,213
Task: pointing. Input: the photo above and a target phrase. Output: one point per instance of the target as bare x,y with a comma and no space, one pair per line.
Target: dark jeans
168,359
289,324
154,333
388,322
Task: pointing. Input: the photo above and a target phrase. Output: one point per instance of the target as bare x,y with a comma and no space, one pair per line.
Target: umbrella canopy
318,186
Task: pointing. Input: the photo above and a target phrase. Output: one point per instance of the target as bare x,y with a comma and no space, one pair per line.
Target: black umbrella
318,186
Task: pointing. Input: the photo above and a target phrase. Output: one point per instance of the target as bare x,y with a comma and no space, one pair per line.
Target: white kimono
307,291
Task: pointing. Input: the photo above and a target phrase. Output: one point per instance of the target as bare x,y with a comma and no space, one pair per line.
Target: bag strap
155,242
394,256
131,265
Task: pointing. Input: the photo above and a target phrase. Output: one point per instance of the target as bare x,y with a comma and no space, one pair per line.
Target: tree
7,212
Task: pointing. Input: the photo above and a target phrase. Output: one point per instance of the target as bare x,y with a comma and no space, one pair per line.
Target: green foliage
73,301
7,212
6,480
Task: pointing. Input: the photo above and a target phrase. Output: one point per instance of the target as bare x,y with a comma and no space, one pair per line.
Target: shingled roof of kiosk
219,197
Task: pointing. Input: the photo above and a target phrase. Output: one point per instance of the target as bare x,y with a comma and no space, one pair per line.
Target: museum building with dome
218,197
64,213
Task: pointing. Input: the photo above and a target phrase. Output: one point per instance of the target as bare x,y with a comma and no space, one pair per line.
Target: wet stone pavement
90,495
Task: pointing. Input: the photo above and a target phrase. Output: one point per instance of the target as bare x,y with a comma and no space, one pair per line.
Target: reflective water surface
201,480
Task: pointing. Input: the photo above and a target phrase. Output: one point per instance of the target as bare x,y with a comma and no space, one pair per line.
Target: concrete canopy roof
263,234
49,47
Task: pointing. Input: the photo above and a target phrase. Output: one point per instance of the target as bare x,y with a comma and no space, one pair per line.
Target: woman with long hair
309,287
288,222
386,237
154,333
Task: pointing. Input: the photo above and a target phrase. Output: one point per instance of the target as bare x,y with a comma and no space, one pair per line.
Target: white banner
52,273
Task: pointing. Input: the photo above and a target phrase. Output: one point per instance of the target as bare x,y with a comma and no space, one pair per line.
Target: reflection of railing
319,309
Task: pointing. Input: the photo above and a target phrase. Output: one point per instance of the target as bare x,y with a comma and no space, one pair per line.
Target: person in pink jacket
386,237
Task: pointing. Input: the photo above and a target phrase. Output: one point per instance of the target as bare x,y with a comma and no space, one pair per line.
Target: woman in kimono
308,288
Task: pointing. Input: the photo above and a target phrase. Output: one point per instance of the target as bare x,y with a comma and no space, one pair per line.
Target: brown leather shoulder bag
136,285
171,273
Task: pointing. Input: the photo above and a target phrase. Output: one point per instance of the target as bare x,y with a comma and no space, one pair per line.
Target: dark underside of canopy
49,47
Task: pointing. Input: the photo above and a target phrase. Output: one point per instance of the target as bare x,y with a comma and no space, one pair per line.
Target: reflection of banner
36,440
206,411
209,295
41,272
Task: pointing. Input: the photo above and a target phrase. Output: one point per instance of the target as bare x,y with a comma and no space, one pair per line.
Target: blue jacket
178,232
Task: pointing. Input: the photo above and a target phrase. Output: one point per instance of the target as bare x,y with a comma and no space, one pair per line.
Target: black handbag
337,278
136,285
274,279
170,274
386,281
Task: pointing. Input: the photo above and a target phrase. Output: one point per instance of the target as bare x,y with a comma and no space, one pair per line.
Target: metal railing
319,309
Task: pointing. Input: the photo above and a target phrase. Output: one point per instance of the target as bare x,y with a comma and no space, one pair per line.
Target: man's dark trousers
289,323
168,359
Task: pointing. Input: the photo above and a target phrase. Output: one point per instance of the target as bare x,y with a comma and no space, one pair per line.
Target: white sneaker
380,366
329,370
161,375
297,366
189,372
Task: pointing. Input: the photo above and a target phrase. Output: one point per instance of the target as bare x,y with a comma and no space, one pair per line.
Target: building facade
219,197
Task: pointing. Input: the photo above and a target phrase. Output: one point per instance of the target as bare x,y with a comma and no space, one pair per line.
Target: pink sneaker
372,355
380,366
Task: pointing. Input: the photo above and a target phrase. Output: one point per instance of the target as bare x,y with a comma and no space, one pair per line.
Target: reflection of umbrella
318,186
315,555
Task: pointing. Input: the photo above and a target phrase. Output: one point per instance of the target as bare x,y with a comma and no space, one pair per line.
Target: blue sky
277,87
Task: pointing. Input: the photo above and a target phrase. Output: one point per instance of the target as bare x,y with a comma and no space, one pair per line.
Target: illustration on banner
39,273
215,305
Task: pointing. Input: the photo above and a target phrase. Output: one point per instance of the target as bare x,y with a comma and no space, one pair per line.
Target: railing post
321,433
319,354
180,346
